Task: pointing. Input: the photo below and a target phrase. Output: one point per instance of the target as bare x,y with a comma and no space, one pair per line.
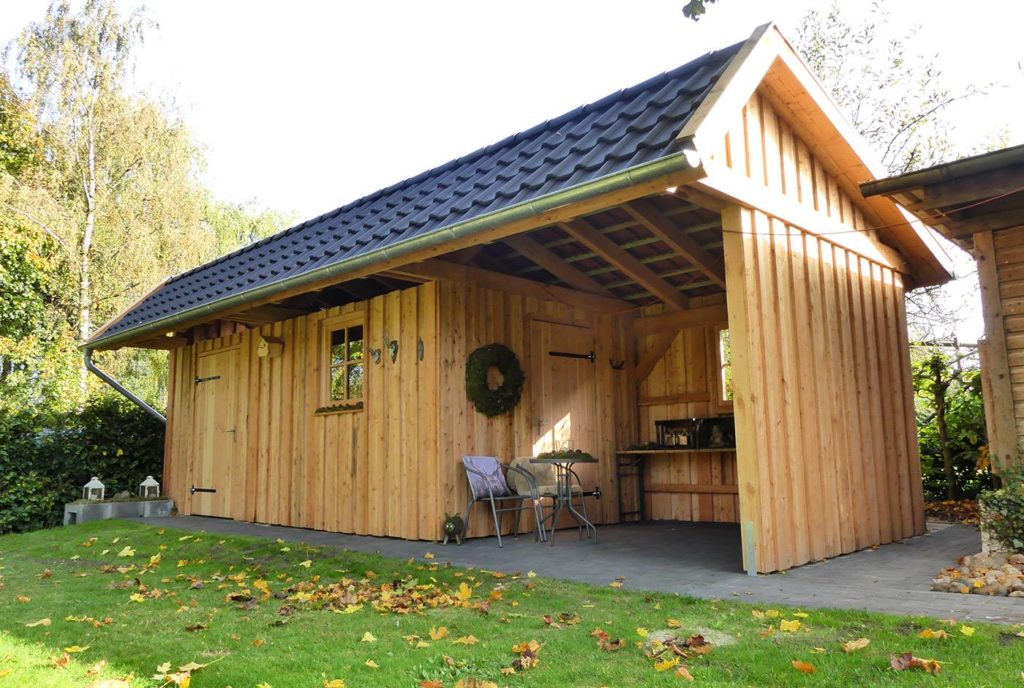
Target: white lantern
149,487
94,490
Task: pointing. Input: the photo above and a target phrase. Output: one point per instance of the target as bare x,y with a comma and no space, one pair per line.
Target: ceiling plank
586,234
550,261
644,212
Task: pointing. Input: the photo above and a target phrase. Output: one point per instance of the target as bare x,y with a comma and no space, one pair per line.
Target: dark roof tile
631,127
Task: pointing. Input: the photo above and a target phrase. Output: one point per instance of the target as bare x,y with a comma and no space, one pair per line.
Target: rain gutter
91,367
682,160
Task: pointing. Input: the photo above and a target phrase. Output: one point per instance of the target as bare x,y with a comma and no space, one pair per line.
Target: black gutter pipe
91,367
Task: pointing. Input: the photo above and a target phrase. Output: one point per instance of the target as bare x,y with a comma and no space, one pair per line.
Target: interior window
346,364
725,390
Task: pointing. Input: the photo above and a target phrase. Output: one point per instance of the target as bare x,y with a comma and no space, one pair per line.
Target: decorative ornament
454,528
494,402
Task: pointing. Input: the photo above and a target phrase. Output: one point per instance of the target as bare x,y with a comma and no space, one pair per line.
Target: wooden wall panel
683,384
828,459
348,471
794,410
470,317
1000,257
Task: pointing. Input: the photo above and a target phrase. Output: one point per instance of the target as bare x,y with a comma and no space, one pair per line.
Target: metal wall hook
392,346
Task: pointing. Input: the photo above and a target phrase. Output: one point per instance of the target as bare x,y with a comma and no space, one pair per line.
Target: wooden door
564,392
216,459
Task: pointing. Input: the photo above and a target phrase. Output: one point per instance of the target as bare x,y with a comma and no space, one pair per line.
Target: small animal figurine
454,528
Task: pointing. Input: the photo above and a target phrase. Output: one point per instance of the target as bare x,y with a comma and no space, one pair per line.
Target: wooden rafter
589,236
547,259
644,212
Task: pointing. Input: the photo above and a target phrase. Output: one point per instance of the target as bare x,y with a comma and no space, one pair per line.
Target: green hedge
1002,510
46,458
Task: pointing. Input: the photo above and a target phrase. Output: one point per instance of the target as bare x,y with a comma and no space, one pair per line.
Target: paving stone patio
698,559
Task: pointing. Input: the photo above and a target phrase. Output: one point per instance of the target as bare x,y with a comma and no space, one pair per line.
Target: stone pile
984,574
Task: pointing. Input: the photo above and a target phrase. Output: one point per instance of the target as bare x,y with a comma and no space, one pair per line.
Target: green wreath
494,402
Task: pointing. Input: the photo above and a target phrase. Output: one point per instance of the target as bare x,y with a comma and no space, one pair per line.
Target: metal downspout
91,367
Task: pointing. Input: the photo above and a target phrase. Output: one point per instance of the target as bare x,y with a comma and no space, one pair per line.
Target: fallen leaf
803,667
929,633
818,650
673,623
789,626
666,664
431,684
196,627
801,615
438,633
854,645
372,664
428,555
259,642
334,683
530,646
466,640
41,622
126,552
684,673
967,630
306,564
23,599
464,592
368,638
75,649
96,668
642,632
907,661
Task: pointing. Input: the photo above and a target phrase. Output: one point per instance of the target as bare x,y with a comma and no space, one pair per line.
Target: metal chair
487,482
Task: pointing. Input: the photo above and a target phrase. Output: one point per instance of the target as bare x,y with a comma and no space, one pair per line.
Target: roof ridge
616,96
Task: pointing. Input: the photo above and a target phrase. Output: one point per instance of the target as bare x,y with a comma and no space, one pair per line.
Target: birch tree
120,168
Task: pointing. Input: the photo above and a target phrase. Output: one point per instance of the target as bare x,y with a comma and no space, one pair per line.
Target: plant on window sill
340,407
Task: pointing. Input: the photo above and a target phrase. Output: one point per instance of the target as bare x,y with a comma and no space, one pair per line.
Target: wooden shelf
641,452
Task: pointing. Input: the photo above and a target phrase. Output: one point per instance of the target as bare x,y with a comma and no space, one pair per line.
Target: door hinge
565,354
202,489
206,379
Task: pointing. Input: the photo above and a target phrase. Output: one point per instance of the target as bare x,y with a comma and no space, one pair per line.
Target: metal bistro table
563,499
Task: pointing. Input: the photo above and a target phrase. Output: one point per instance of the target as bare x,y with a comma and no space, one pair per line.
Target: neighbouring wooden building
318,377
978,203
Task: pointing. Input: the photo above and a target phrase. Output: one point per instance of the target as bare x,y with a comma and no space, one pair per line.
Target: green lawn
137,597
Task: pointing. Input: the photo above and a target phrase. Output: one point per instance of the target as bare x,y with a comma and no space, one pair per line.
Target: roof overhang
768,63
963,197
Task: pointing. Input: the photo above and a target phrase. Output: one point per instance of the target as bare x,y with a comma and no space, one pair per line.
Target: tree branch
40,224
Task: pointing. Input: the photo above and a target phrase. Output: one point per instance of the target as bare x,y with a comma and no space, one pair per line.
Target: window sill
347,407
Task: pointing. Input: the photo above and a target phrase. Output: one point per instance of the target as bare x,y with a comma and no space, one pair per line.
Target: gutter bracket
91,367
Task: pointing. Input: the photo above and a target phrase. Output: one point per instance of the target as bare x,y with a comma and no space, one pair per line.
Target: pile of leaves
400,596
963,511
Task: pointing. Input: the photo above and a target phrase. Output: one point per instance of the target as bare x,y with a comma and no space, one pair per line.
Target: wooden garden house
978,203
697,244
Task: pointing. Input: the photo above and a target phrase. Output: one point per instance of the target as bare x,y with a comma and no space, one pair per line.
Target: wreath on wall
503,398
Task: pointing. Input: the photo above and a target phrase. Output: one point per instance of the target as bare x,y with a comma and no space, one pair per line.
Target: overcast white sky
305,105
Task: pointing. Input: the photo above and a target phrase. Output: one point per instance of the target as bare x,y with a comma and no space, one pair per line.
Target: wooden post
999,417
736,223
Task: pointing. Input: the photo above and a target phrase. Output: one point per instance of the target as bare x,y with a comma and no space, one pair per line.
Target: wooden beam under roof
644,212
586,234
265,314
550,261
437,269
